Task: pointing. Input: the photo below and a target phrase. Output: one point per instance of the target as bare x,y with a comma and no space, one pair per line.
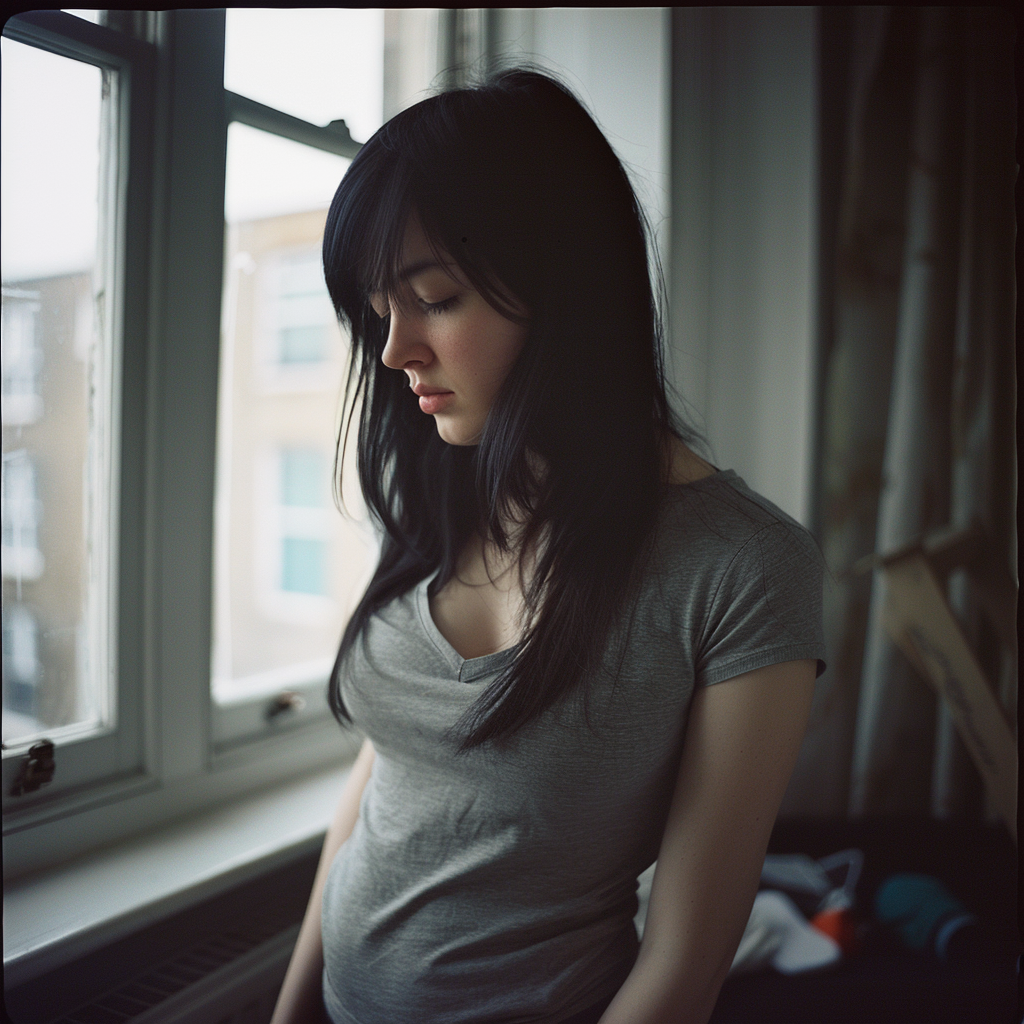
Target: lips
432,400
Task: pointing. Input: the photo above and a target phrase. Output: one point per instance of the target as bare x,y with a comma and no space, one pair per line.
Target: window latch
283,703
36,769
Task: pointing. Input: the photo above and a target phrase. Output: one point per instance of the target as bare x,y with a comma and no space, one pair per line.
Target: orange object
838,925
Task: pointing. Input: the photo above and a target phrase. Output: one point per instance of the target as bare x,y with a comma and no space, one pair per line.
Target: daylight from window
55,459
288,566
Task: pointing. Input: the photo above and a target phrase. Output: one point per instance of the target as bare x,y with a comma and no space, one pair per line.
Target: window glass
288,565
305,316
56,398
268,175
319,64
93,16
304,521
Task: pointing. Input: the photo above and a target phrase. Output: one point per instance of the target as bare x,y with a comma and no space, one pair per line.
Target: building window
304,522
22,670
22,358
21,555
305,318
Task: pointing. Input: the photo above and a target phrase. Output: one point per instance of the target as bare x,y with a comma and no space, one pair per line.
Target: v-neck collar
466,670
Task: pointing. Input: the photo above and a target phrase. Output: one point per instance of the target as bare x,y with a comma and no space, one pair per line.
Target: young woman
561,582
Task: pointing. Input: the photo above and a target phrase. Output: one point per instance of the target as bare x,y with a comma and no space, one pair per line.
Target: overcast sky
317,64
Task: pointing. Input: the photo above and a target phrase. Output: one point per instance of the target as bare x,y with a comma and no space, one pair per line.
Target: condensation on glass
288,565
59,367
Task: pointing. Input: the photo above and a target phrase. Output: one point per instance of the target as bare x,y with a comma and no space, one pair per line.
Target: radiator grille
177,974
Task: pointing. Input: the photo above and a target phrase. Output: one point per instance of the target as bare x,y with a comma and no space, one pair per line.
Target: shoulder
751,574
743,575
719,518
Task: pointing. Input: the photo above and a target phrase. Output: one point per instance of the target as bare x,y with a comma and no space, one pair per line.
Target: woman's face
455,348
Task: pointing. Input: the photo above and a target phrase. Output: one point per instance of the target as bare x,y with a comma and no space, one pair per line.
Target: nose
405,347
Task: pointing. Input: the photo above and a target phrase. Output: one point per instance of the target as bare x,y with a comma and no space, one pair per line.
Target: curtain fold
917,386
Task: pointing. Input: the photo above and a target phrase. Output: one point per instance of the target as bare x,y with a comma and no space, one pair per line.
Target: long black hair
516,183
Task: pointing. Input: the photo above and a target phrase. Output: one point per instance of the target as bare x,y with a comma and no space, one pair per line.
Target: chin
457,433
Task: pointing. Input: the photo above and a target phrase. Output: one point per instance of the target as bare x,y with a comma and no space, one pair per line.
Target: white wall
743,238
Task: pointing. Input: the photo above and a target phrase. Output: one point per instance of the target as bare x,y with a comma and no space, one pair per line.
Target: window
288,565
21,671
304,313
303,522
22,358
22,559
173,560
68,221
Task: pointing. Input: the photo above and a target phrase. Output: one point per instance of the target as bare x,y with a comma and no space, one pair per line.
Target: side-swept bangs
388,183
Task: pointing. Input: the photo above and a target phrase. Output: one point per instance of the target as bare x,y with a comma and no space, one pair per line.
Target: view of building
289,565
47,337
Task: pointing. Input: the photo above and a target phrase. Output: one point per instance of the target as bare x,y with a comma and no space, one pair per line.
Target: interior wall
743,250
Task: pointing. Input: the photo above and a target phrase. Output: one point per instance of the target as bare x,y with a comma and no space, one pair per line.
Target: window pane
268,175
288,565
303,478
319,64
56,398
302,570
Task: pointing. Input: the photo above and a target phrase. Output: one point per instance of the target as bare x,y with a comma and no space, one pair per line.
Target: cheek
485,350
508,341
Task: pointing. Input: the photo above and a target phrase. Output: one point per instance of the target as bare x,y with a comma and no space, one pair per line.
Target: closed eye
438,307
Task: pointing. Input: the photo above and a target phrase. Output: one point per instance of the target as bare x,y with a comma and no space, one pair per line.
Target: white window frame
185,754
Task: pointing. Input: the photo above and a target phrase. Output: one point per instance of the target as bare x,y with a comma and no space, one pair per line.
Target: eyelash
438,307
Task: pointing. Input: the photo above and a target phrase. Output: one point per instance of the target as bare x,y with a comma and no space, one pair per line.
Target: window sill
55,916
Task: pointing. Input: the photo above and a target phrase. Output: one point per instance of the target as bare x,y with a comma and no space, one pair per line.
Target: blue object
922,909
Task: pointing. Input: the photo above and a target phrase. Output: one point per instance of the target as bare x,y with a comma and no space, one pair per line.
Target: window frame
171,266
112,755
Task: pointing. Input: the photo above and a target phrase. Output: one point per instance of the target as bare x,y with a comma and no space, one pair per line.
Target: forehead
415,244
416,257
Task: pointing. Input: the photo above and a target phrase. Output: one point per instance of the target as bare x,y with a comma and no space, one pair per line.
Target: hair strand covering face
514,180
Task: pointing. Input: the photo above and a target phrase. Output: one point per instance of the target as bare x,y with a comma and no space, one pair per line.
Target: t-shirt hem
336,1013
762,659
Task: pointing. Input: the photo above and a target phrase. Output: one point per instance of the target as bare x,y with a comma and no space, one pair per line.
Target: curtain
917,384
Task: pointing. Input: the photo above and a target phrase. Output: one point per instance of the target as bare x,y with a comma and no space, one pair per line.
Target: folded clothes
779,935
814,885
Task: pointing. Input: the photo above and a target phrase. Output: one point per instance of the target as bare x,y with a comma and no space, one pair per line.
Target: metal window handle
284,703
36,769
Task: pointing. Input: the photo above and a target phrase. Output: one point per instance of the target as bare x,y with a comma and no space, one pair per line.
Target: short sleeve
766,608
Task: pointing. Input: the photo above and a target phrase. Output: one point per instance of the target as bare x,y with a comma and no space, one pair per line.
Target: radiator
232,978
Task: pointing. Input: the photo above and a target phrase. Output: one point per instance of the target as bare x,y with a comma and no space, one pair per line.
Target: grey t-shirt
499,885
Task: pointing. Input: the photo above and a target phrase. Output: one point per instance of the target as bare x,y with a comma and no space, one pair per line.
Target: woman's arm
741,744
301,997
